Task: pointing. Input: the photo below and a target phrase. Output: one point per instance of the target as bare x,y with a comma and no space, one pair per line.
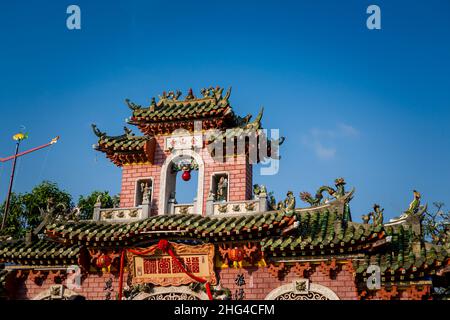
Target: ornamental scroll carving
302,289
171,293
172,296
308,296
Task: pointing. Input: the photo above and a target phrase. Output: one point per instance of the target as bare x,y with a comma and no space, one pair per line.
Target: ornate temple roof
309,233
398,256
209,228
170,112
323,232
126,148
170,108
40,252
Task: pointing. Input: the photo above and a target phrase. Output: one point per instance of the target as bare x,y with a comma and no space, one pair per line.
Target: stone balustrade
183,209
121,214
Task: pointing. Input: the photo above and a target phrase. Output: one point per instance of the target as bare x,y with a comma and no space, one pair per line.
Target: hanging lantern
236,255
104,262
186,176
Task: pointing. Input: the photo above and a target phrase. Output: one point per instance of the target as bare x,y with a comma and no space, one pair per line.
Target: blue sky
371,106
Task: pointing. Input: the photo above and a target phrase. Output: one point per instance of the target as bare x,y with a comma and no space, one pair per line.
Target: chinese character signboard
183,142
161,269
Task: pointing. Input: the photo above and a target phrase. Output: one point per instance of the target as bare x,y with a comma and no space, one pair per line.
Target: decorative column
415,222
97,207
194,207
171,204
146,208
210,204
263,206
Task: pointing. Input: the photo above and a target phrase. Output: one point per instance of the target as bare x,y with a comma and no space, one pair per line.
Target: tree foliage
87,203
436,224
24,213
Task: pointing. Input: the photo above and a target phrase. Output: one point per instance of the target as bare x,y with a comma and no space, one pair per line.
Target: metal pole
8,199
54,140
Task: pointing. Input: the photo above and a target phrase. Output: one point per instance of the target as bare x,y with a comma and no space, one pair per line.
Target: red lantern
103,261
236,255
186,176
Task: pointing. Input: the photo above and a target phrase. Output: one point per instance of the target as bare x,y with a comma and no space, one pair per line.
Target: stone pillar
171,204
97,207
194,209
210,204
415,222
146,208
262,197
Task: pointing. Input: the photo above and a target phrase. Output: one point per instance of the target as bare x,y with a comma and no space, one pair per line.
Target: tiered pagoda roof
170,113
126,148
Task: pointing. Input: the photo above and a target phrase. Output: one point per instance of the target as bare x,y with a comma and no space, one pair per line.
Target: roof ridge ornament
128,132
190,95
227,94
171,95
414,209
152,106
255,124
317,200
97,131
376,215
133,106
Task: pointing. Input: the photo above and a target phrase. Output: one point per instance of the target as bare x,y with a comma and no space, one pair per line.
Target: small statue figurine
289,202
145,189
377,215
414,206
98,202
222,188
259,190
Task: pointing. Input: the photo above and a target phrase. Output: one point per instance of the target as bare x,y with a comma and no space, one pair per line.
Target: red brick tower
180,135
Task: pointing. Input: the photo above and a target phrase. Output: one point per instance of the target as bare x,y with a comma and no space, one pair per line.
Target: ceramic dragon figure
414,206
318,198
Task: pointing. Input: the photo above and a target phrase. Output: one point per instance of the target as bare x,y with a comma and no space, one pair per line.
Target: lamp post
18,138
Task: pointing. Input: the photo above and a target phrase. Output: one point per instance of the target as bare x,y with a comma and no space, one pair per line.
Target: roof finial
190,95
128,131
152,105
131,105
97,132
227,94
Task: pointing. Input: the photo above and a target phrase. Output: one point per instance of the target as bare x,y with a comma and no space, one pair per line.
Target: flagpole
18,137
11,182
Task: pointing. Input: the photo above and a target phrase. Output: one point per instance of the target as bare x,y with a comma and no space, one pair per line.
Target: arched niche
168,179
172,293
302,289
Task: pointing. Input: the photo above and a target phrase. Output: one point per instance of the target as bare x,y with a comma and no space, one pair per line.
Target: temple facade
232,240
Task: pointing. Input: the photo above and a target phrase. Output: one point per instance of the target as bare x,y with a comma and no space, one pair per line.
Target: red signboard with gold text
160,269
